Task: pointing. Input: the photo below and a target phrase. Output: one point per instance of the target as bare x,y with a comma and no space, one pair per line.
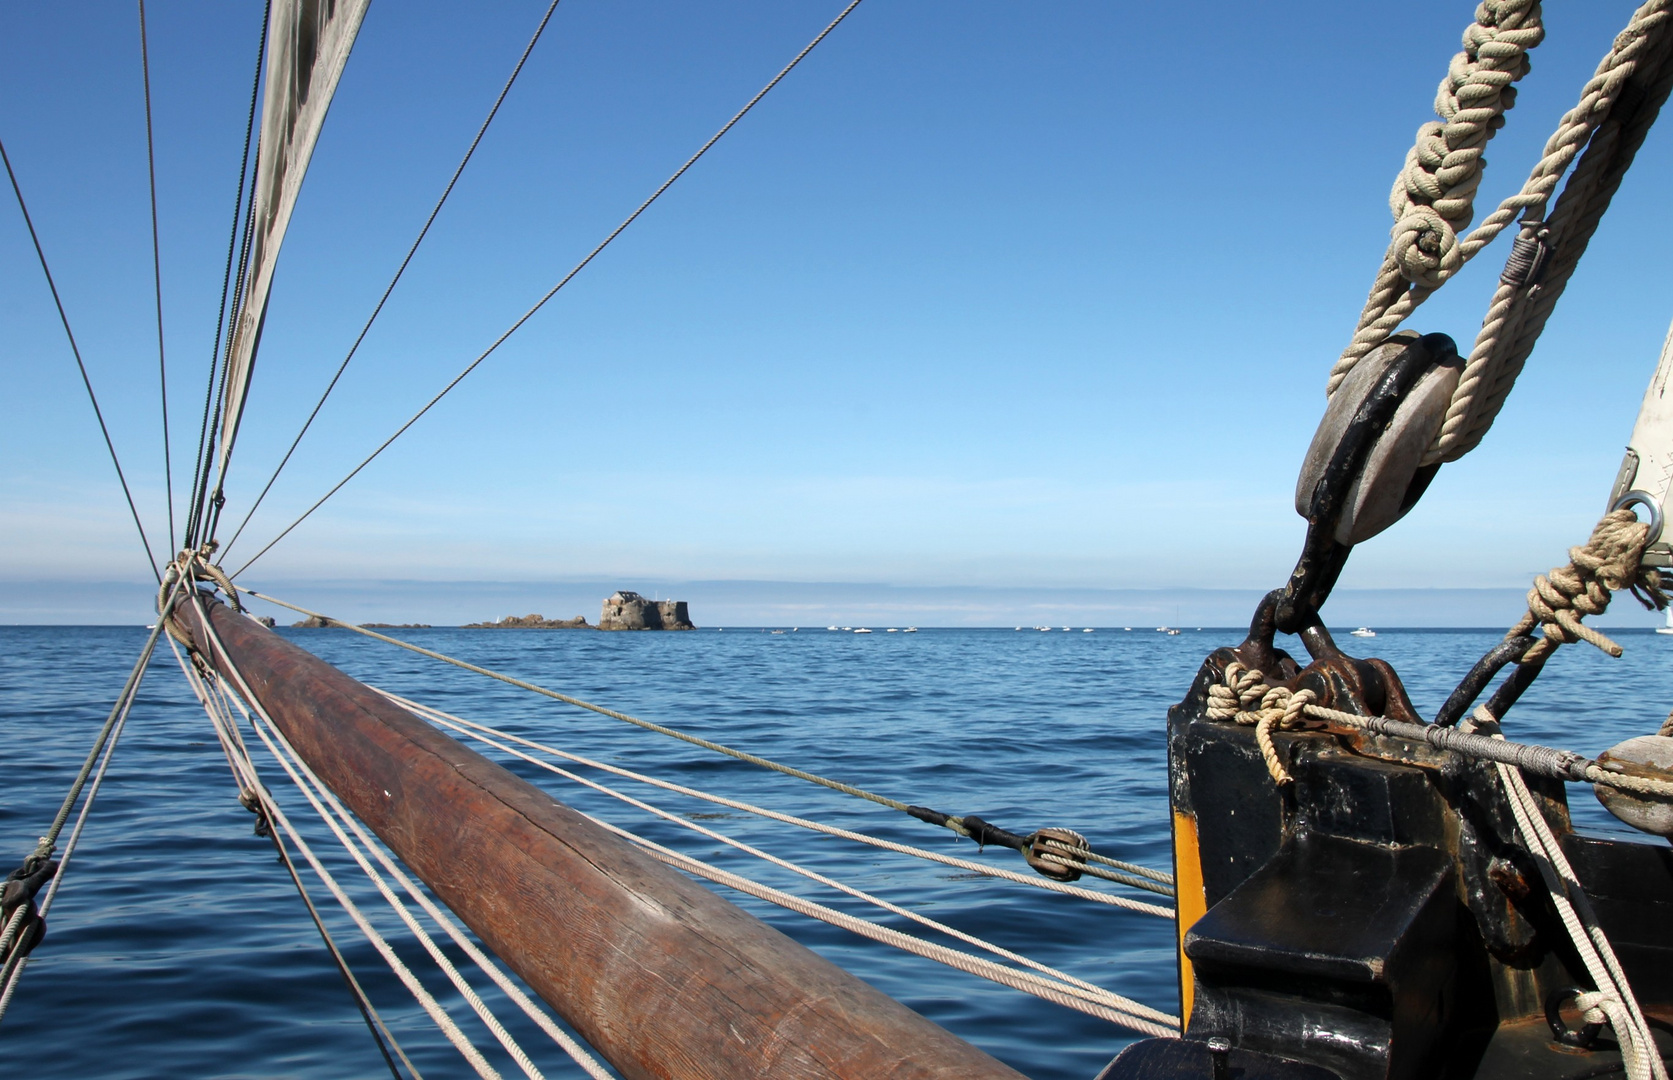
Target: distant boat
1366,631
911,629
1019,628
1162,630
862,630
778,631
894,629
1042,629
830,628
1088,630
1173,633
1129,629
1065,629
1667,629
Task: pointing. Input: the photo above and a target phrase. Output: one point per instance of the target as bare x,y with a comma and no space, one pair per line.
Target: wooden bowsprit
663,977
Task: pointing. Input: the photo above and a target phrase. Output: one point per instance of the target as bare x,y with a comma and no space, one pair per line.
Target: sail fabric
308,43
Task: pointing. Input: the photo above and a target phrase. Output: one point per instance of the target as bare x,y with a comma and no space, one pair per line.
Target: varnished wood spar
660,975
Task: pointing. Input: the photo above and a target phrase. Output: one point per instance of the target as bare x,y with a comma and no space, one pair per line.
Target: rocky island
530,622
629,611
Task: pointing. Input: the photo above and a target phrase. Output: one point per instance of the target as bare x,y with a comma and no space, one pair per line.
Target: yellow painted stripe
1191,902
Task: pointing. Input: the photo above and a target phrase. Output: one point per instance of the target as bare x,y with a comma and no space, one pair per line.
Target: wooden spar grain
663,977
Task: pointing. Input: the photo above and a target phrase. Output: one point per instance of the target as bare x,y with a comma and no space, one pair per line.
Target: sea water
178,946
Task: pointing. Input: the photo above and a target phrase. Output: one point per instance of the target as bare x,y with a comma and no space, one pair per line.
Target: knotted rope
1245,698
1434,194
1433,199
1605,564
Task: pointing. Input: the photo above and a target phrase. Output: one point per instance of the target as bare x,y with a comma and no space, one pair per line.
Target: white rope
489,1020
442,1020
218,710
471,728
1092,991
10,977
1614,1000
294,765
952,822
1167,1027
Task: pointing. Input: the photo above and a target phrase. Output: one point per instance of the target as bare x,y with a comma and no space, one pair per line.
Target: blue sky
988,295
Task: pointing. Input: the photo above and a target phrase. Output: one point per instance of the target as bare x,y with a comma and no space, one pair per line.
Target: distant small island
530,622
626,610
395,625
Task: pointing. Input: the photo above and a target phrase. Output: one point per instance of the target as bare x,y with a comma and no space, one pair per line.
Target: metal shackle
1646,475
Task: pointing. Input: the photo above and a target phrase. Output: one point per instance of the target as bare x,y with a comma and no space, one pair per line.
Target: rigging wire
156,270
1153,880
486,734
104,746
17,190
527,315
200,464
286,756
426,1000
402,269
226,732
1077,987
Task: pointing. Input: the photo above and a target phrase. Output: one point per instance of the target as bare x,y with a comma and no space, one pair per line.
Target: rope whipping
75,350
399,271
488,735
321,800
1433,199
968,825
226,732
200,464
156,268
529,314
25,924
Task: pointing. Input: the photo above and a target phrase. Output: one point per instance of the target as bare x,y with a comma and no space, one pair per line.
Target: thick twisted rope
1608,562
1434,195
1433,198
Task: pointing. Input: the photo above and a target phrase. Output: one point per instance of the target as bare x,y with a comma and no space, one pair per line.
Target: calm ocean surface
178,946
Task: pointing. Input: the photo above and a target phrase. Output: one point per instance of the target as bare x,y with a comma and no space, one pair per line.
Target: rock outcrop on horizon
531,622
312,622
626,610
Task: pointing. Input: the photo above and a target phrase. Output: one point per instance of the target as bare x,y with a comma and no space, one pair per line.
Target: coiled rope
1057,853
1434,194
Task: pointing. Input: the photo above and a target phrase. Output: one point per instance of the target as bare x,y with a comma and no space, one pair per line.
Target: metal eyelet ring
1642,498
1559,1030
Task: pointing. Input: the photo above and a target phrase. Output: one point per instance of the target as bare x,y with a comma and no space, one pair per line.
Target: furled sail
308,43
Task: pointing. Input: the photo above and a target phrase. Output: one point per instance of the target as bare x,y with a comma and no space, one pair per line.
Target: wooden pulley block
1647,755
1389,481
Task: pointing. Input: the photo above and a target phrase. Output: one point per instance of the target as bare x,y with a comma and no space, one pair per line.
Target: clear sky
984,294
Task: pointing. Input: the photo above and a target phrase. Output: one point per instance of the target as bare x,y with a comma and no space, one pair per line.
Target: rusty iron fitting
1059,854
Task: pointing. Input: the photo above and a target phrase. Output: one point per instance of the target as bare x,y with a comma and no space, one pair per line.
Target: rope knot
1607,563
1244,697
